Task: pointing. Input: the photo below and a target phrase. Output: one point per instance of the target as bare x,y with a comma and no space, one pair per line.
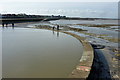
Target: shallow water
96,30
64,22
35,53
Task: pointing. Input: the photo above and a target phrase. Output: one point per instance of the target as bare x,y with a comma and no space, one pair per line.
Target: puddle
35,53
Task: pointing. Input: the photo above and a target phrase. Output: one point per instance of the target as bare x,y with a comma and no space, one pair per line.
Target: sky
59,0
73,8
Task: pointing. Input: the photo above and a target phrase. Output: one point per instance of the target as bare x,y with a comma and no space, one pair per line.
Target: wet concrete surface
100,69
103,67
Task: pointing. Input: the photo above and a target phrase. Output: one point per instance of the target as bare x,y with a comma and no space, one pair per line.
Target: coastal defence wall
83,69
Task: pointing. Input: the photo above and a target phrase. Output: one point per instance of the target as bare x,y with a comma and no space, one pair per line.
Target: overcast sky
59,0
74,8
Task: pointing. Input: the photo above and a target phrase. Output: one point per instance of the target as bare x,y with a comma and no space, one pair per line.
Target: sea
69,9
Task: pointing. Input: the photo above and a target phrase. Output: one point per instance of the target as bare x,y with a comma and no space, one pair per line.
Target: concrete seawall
82,70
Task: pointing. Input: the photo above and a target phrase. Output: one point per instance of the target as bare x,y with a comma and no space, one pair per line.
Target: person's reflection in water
6,24
57,33
58,30
12,25
53,30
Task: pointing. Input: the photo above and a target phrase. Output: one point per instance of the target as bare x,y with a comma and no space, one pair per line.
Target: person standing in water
12,24
58,27
53,27
3,25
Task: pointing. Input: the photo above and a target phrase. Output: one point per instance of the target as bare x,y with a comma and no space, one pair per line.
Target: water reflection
3,27
12,27
53,32
57,33
8,27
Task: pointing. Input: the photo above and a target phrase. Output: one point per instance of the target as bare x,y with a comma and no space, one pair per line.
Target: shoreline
78,18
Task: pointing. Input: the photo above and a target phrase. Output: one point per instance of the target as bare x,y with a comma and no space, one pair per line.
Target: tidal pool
35,53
